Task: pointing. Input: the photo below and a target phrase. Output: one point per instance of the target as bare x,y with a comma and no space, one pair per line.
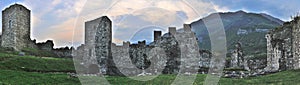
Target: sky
63,20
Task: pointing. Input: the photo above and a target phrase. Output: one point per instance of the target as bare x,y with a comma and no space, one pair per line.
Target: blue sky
63,20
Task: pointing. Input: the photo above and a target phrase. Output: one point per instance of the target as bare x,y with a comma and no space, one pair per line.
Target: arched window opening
9,24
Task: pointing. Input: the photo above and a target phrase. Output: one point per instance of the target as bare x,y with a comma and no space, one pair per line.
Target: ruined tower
189,50
237,57
15,27
296,42
98,39
283,47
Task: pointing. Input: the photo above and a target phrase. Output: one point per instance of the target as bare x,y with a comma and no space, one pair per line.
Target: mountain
247,28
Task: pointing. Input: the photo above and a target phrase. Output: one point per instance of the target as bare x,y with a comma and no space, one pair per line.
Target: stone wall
171,52
204,62
47,46
65,52
255,64
79,59
138,54
189,49
122,59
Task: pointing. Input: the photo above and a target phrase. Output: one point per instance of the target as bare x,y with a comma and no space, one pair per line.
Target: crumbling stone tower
237,59
296,42
15,27
283,45
98,39
189,49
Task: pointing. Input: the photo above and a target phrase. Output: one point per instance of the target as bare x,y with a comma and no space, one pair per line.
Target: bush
37,52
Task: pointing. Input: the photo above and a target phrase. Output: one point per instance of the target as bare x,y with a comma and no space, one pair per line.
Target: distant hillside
247,28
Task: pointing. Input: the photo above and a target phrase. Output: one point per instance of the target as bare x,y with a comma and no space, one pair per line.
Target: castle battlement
187,27
142,43
157,35
172,30
126,44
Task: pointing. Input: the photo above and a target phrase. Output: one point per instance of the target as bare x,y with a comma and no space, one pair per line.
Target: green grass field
20,70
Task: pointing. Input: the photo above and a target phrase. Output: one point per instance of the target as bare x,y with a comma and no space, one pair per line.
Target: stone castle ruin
174,52
133,59
283,45
16,32
170,52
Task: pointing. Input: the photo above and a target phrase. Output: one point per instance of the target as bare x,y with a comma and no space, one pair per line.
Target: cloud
117,41
59,20
69,9
61,33
55,2
54,19
157,15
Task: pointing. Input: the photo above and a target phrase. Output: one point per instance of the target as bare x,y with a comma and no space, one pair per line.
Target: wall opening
10,24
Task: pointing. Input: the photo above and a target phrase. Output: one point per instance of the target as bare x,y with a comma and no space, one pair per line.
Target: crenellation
172,30
48,45
157,35
142,43
126,44
64,52
187,27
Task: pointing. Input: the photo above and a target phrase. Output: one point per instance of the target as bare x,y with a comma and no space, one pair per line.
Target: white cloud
221,9
55,2
157,16
64,33
117,41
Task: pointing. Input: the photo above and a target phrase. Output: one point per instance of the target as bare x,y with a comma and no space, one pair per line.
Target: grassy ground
19,77
35,64
34,78
283,78
20,70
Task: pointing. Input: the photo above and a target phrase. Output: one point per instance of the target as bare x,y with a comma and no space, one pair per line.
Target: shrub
38,52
